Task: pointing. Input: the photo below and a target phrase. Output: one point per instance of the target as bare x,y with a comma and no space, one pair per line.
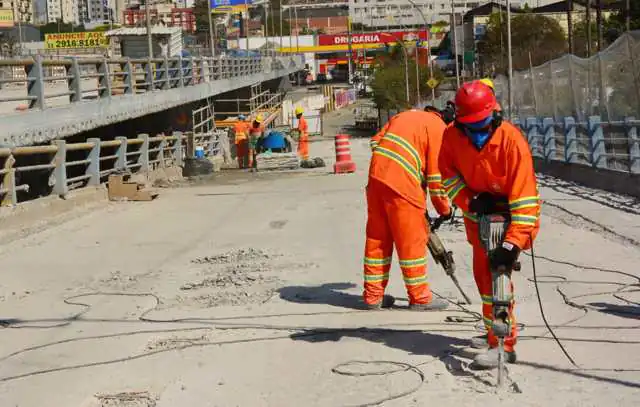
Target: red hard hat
475,101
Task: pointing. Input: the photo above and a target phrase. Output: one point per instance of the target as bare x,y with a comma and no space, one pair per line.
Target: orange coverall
403,163
240,130
303,142
504,168
375,139
254,135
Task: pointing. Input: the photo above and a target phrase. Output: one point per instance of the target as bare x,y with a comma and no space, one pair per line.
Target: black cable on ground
544,317
341,369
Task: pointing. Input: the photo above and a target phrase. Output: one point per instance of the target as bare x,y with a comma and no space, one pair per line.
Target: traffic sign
432,83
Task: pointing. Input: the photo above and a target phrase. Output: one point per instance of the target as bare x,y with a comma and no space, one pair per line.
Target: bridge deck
62,119
261,335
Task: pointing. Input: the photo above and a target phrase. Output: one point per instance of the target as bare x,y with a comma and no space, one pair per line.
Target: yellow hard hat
487,82
299,110
259,118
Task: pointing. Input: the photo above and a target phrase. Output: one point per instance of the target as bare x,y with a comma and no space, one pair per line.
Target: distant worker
487,167
241,130
490,84
303,128
255,132
403,163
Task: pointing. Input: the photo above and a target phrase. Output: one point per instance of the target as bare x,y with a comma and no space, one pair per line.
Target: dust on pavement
244,291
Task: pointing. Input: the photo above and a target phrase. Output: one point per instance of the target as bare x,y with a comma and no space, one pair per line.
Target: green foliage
533,36
201,14
389,83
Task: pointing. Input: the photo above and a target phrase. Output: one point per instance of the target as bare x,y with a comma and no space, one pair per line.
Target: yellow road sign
432,83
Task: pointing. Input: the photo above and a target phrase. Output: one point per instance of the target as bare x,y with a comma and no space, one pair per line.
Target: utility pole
350,80
147,10
599,24
455,43
510,61
281,30
246,21
570,24
212,30
588,21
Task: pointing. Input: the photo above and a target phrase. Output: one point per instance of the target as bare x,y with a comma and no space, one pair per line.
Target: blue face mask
479,132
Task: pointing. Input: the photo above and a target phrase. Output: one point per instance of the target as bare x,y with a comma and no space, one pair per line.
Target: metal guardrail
72,77
613,145
69,166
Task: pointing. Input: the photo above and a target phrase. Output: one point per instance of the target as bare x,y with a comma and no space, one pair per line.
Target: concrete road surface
243,292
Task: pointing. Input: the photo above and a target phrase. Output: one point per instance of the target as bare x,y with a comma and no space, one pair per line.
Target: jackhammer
441,255
492,229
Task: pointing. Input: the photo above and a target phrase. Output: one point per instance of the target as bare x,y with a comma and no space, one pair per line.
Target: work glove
504,256
446,217
482,204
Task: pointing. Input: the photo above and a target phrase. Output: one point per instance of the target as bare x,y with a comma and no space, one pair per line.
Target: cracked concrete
286,351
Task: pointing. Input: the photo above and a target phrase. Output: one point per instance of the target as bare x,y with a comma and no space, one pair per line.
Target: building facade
402,13
22,9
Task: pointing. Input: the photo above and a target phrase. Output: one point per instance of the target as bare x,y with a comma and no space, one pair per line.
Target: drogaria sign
372,38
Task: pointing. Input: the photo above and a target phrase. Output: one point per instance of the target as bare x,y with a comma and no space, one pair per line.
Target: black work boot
436,304
489,359
480,342
386,302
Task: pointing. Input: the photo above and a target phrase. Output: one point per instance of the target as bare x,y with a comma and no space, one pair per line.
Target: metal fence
61,166
605,85
612,145
40,83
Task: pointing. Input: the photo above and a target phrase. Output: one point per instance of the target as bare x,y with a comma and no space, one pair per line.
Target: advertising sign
229,6
76,40
6,18
373,38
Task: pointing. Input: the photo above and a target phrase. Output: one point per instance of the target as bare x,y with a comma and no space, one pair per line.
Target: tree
389,83
201,14
533,36
617,23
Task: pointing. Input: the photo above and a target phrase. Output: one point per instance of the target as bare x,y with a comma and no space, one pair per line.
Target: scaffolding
259,102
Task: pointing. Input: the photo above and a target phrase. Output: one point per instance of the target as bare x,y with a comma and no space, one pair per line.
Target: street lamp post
426,27
510,60
212,30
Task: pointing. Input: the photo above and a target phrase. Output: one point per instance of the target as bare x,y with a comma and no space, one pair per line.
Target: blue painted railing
611,145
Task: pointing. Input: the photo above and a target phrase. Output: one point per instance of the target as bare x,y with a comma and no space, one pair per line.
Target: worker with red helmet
403,168
303,129
486,168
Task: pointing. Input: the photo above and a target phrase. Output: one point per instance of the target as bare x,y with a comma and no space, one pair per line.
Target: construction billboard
89,39
6,18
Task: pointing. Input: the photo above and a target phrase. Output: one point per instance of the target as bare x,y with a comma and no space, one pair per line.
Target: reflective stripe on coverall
378,136
240,130
254,135
404,161
303,142
503,167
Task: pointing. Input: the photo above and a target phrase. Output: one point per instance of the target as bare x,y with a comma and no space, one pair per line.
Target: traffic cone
344,164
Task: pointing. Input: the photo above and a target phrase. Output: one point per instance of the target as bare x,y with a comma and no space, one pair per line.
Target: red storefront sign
373,38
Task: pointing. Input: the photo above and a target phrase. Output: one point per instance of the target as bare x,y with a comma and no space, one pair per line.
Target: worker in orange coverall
404,166
256,130
303,128
487,167
241,130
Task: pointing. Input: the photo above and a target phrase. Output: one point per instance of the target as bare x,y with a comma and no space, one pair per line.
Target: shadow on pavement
413,342
624,311
328,294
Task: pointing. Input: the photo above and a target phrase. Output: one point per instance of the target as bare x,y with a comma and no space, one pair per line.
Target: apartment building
22,9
